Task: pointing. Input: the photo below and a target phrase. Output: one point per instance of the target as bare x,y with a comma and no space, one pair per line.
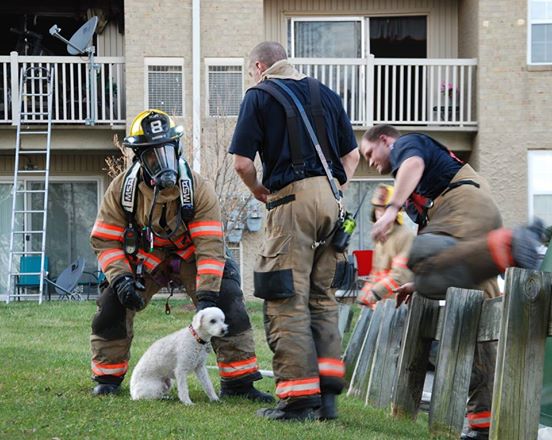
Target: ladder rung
32,171
35,94
26,252
33,132
27,273
28,191
33,113
30,211
27,232
25,295
37,77
33,151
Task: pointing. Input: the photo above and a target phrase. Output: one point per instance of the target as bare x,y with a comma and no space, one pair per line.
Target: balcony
425,93
75,101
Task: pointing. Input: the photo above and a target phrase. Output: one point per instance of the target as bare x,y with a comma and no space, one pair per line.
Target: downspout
196,96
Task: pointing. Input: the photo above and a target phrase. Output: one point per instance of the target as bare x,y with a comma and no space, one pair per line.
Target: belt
278,202
458,183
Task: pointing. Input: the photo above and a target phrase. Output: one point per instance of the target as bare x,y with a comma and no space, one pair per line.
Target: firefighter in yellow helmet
389,269
159,224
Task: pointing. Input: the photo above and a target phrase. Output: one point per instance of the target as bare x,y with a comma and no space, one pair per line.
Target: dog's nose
224,330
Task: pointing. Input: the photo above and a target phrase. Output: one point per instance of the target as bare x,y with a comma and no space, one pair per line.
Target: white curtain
327,39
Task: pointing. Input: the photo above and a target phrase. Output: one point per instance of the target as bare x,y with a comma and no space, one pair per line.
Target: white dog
177,355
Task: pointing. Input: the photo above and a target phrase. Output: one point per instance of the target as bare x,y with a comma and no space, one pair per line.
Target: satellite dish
82,39
80,43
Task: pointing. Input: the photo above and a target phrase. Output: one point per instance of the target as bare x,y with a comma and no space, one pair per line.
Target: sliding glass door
72,209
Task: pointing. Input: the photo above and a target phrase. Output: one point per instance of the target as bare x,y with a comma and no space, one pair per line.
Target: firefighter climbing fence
388,354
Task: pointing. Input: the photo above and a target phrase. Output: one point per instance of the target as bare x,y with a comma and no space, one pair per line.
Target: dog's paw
214,399
187,402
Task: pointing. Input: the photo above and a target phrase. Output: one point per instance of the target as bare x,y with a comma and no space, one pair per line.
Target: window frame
530,23
164,62
222,62
291,20
532,157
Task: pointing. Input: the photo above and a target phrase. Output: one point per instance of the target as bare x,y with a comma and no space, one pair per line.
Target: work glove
526,241
206,298
125,288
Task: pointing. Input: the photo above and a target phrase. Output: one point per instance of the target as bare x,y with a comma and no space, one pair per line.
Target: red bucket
364,261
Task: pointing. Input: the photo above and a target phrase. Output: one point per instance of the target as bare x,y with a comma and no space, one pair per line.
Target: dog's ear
196,321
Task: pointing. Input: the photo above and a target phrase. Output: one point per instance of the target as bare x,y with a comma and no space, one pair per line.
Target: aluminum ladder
36,91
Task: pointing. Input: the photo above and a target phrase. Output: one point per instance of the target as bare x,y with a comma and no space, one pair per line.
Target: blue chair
30,264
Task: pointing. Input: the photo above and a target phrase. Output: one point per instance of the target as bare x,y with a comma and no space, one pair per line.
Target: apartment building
474,74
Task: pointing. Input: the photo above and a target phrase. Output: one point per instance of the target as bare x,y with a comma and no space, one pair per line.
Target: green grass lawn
45,387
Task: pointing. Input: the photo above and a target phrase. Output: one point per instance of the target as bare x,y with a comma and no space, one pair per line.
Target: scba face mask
161,164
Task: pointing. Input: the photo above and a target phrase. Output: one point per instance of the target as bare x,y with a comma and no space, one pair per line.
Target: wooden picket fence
388,353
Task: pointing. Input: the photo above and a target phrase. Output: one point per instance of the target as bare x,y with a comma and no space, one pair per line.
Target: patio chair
30,264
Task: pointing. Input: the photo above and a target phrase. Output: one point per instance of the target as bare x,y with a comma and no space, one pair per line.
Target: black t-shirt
440,166
262,128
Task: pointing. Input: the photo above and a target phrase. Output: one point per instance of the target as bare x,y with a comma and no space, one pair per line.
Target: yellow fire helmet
152,127
381,198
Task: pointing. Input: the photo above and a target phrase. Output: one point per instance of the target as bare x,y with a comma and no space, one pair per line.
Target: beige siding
65,164
110,43
64,139
442,17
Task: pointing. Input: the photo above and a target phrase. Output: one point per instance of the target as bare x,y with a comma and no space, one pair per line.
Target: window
334,37
540,185
164,85
352,39
540,32
224,86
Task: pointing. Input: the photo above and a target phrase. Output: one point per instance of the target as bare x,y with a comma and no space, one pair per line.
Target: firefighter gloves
126,292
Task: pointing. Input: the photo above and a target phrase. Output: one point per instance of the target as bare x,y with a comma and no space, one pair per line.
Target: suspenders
293,116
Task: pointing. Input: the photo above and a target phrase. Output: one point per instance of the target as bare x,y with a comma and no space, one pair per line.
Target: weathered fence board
520,321
455,361
359,381
344,316
386,356
355,342
422,316
520,360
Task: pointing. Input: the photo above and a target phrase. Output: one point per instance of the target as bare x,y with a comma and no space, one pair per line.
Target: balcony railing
399,91
75,102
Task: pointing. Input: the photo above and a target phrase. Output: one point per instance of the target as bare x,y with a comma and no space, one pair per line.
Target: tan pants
112,332
295,278
468,214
